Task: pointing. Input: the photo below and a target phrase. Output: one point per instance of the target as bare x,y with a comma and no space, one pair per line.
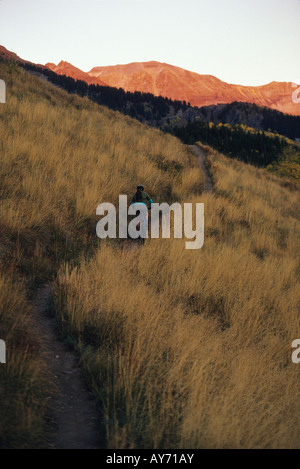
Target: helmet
140,187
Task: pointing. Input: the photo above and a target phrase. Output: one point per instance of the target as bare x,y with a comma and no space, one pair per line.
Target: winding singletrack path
73,418
208,185
73,421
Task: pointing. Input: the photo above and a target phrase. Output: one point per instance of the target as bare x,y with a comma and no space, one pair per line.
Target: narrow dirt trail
208,185
74,421
73,417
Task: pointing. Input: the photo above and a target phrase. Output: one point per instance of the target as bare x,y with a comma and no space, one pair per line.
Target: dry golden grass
66,152
23,379
192,349
184,348
61,156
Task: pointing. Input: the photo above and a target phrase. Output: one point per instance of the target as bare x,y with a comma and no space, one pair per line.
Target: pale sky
248,42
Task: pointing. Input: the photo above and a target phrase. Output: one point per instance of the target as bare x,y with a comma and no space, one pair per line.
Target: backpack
138,196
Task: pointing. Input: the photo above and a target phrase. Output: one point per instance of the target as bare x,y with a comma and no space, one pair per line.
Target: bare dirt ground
73,418
208,185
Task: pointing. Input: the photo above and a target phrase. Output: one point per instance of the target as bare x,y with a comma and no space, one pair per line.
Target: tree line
254,147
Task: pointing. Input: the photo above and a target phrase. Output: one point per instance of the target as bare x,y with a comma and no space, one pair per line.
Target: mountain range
162,79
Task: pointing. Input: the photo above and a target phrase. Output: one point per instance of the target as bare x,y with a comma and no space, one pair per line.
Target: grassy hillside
182,348
61,156
192,349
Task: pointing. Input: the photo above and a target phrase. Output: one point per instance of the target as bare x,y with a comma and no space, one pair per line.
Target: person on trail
141,197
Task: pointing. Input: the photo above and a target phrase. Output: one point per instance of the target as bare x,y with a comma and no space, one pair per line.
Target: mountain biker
141,197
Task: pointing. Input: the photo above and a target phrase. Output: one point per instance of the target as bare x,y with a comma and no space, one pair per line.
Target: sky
239,41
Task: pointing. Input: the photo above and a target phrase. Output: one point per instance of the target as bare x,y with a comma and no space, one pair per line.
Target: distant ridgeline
239,130
168,114
147,108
